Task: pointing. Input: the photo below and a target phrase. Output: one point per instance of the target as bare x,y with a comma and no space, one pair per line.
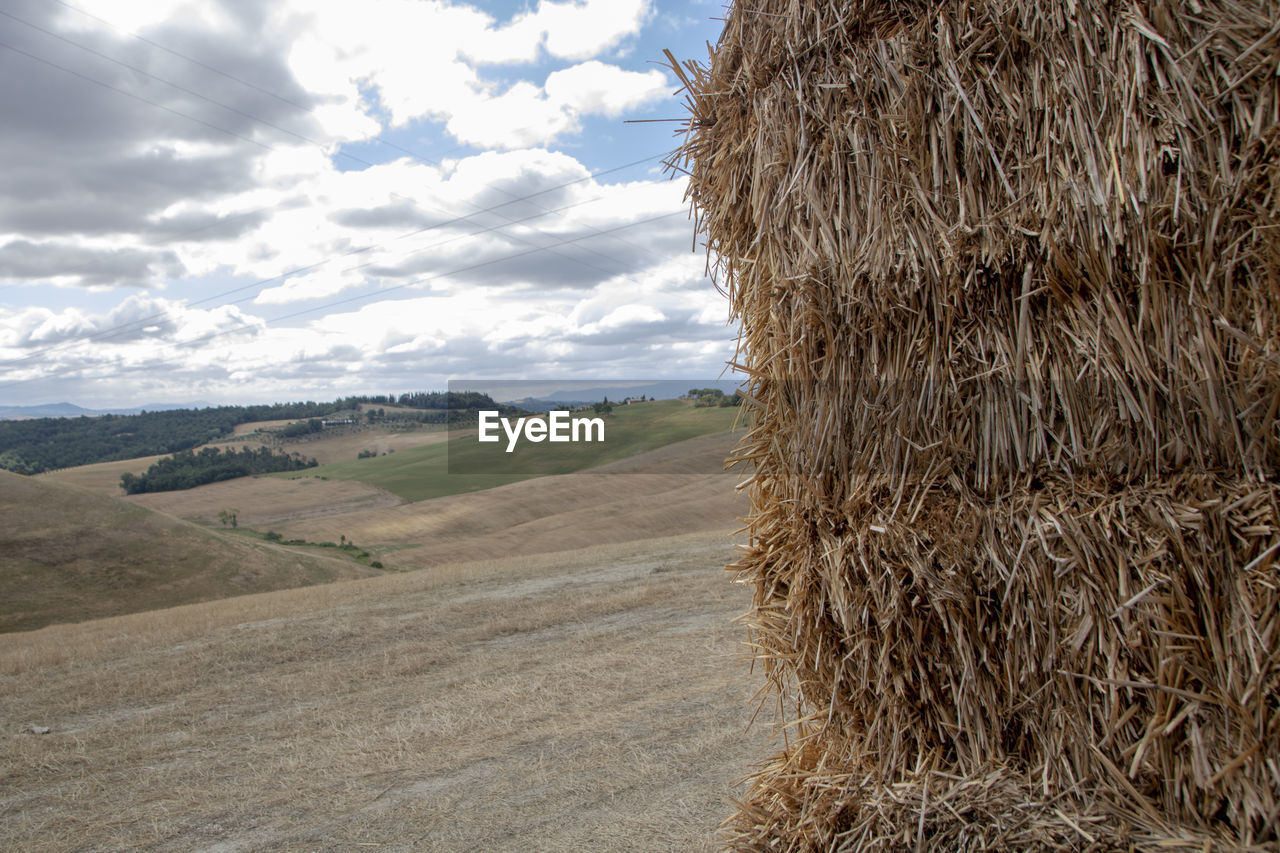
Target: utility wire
171,52
126,327
253,86
382,291
140,323
251,117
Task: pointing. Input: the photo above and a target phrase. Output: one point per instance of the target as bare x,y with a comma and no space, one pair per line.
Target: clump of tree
301,428
711,397
188,469
44,444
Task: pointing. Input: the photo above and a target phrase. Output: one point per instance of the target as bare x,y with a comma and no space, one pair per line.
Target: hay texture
1008,275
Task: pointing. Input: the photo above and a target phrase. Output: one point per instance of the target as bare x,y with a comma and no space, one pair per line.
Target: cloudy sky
260,200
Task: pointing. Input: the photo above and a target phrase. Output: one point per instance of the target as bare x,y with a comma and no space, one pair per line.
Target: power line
115,331
126,327
172,52
379,138
386,290
317,143
140,323
136,97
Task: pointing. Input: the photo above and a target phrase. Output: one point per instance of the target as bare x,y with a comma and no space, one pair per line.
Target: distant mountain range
71,410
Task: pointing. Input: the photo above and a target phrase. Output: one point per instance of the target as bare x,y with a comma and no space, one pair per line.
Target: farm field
640,497
423,472
71,554
267,500
593,699
240,430
85,555
617,503
104,477
344,447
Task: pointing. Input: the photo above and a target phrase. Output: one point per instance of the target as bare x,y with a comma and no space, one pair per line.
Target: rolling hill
644,496
70,554
462,464
585,700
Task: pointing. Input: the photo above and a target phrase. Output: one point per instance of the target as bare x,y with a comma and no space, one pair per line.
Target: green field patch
422,473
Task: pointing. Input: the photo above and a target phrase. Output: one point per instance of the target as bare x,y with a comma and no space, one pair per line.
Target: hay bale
1009,282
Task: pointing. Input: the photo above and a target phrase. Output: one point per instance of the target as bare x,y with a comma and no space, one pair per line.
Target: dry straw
1009,282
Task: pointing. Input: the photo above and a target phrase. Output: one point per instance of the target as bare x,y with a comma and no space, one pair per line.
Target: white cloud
197,211
520,117
132,16
577,30
313,285
405,49
526,115
631,314
421,57
568,30
139,329
592,87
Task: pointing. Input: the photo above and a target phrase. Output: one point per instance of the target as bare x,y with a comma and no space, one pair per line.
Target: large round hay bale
1008,275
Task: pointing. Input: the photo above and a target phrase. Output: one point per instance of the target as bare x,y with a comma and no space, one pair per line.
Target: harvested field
104,477
609,504
588,700
256,426
268,500
437,470
101,477
69,554
344,447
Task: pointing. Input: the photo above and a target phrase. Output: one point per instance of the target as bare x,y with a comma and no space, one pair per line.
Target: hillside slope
104,477
591,700
462,464
69,554
646,496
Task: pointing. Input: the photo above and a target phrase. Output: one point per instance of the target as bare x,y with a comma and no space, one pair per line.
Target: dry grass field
101,477
638,498
344,448
263,501
259,426
104,477
68,553
588,700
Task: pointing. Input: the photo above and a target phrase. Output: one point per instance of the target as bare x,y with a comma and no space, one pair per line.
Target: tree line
44,444
188,469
